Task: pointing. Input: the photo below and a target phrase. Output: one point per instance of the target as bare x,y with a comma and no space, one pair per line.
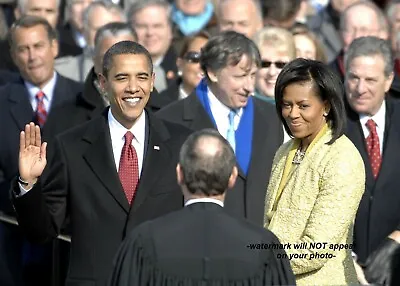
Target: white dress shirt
221,114
117,132
379,119
204,200
182,93
48,91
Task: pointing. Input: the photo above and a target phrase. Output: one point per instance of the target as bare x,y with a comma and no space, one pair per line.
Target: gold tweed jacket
318,204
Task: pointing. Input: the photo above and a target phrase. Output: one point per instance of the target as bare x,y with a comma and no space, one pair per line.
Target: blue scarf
191,24
244,133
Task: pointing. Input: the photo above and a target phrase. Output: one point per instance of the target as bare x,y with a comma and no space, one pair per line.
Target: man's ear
102,81
54,47
17,13
212,76
153,77
179,175
232,178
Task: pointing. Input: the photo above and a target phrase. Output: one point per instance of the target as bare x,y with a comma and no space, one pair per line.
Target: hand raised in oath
32,154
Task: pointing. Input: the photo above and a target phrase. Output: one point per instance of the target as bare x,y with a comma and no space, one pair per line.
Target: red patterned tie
373,148
129,168
41,113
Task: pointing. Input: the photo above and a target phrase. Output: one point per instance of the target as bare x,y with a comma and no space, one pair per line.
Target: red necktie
374,152
41,113
129,168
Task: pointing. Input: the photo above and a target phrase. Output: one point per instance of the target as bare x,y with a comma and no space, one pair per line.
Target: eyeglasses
192,57
267,64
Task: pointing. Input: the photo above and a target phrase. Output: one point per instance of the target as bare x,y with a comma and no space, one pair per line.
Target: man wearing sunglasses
223,100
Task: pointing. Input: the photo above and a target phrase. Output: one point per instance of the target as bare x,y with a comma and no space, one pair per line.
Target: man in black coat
108,175
201,244
33,48
229,62
377,225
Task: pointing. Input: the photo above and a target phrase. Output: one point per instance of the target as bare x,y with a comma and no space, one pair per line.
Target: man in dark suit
35,94
223,100
94,99
373,126
109,174
201,244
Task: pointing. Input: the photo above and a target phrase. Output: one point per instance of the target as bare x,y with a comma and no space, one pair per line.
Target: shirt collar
378,118
216,104
182,93
119,131
158,61
48,89
204,200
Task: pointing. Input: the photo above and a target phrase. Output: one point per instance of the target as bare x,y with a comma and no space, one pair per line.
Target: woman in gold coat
317,178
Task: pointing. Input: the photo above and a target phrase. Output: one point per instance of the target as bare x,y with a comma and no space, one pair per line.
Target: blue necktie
230,136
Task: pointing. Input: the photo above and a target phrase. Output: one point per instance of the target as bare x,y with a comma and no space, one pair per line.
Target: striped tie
41,113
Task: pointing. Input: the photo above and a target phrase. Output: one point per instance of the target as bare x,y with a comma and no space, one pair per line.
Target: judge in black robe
201,244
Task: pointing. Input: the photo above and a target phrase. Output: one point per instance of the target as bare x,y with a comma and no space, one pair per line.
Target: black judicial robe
199,245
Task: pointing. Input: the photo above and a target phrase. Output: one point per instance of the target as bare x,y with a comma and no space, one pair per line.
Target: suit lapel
195,115
61,94
21,108
356,135
99,156
156,156
391,142
327,29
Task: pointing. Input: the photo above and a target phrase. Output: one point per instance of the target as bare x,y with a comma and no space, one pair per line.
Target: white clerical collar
204,200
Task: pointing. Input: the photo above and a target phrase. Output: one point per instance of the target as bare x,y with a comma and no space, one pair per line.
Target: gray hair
370,46
21,5
113,29
141,4
107,5
227,48
391,8
382,21
257,4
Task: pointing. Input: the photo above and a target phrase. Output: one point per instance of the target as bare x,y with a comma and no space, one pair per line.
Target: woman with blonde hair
307,44
277,48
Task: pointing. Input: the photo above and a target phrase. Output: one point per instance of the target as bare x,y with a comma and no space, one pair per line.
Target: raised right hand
32,154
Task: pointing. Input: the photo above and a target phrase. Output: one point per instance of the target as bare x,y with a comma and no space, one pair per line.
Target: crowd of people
166,139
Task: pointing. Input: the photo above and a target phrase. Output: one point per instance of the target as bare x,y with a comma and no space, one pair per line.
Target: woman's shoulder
344,153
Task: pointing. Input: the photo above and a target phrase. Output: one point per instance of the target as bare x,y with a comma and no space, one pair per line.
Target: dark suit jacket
323,25
378,214
83,182
69,46
16,111
248,196
172,91
200,245
90,104
169,66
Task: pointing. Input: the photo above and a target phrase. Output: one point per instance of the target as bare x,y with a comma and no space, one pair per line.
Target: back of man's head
207,164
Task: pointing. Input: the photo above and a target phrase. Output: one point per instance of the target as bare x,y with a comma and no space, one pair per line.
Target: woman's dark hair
189,40
327,85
